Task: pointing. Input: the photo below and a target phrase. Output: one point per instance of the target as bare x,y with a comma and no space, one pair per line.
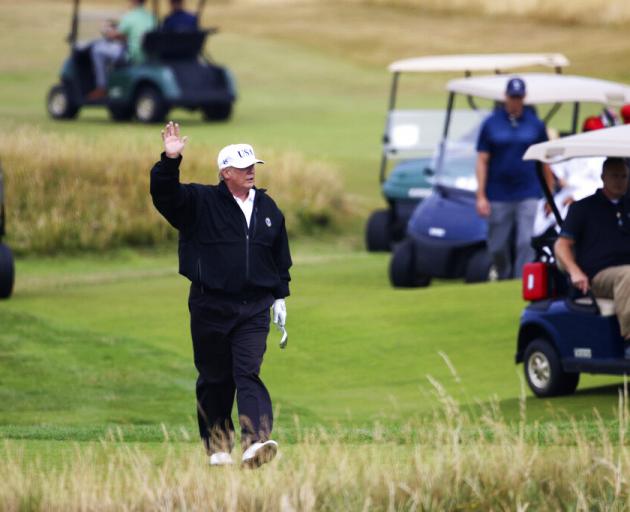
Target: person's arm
282,259
175,201
121,31
481,170
563,249
570,235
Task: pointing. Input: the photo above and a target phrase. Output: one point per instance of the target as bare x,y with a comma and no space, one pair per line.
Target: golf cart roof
545,88
613,141
477,62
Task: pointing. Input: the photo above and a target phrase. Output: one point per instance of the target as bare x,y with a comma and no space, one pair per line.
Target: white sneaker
221,459
260,453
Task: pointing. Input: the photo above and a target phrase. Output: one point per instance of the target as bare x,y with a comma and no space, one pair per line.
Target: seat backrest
175,45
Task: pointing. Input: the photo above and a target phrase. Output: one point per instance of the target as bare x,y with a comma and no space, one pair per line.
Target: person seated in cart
111,49
594,243
576,178
179,20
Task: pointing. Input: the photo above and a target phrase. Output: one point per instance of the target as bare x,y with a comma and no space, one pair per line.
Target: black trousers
229,340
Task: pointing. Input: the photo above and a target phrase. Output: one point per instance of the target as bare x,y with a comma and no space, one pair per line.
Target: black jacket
217,251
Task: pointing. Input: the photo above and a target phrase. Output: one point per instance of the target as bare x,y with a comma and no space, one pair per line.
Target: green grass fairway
94,342
91,341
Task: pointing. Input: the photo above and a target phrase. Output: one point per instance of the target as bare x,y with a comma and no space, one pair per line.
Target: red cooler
535,281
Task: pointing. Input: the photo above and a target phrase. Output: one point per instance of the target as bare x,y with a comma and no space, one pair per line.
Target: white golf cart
445,236
563,333
411,136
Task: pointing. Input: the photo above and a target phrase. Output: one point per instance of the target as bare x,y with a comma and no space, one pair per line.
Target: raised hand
173,143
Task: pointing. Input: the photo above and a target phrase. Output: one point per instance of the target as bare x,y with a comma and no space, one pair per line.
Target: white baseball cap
237,155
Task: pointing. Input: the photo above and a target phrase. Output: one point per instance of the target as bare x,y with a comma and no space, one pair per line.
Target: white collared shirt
248,205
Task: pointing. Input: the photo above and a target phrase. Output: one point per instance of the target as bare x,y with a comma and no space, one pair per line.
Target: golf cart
175,74
7,270
445,236
563,333
411,137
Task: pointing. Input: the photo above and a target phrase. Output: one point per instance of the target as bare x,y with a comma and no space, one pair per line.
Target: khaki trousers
614,283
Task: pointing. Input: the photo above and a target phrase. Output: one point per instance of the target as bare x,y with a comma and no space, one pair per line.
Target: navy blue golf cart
411,136
445,237
7,269
563,333
176,74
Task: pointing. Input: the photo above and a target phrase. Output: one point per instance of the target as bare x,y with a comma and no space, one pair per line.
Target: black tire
60,104
7,272
480,268
377,232
217,111
402,270
149,105
120,112
544,372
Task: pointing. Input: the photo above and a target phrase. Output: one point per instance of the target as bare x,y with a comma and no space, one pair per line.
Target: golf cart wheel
402,271
60,104
120,112
7,272
480,268
150,106
377,232
217,111
544,372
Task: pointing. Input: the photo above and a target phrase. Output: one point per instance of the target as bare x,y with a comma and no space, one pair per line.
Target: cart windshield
455,157
413,133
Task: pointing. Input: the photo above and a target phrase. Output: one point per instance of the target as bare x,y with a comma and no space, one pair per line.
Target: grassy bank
65,193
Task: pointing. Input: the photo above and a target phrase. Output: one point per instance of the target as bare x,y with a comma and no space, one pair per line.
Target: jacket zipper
246,249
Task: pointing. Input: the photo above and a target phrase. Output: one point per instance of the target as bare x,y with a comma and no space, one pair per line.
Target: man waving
234,249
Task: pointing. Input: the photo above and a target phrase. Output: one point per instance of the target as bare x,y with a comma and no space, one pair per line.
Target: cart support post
548,194
392,103
74,26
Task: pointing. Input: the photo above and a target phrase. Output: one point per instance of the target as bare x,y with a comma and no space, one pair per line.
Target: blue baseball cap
515,88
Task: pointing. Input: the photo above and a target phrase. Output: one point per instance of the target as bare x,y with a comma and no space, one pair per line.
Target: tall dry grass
66,192
463,462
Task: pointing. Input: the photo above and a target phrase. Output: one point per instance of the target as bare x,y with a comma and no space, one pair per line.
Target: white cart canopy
477,62
546,88
605,142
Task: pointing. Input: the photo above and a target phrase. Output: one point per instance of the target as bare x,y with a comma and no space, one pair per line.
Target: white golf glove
279,313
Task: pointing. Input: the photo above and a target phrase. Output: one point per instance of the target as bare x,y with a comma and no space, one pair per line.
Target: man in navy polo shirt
508,189
179,20
597,228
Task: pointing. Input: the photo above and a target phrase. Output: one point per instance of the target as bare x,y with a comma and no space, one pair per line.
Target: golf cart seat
175,45
81,53
606,306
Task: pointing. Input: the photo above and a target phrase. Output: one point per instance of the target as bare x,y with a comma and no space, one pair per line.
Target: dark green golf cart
176,73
